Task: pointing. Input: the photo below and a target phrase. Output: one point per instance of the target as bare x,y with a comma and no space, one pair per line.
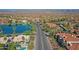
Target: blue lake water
6,29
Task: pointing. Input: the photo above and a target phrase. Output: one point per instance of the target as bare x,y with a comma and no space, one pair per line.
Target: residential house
69,41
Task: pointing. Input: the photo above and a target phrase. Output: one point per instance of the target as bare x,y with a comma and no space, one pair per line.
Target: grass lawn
1,46
12,46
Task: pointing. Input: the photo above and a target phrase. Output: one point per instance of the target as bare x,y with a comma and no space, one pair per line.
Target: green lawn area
1,46
12,46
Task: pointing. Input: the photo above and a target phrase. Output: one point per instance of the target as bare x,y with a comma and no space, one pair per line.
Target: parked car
47,34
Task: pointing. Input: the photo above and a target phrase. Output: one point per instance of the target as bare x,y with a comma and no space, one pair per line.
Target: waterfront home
21,38
2,40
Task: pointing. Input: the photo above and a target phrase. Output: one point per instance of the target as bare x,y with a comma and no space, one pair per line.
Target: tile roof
74,47
72,39
52,25
69,37
4,21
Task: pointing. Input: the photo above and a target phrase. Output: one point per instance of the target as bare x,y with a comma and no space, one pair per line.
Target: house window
77,36
68,44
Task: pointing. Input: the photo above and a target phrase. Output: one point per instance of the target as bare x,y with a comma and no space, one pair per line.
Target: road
41,41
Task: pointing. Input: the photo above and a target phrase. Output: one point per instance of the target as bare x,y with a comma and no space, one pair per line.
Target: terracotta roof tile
69,37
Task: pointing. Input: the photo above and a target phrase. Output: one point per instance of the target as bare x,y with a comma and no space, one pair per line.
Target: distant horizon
40,10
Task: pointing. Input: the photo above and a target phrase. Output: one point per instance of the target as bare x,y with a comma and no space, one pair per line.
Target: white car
47,34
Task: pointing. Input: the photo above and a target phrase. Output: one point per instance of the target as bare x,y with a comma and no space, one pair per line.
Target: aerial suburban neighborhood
39,29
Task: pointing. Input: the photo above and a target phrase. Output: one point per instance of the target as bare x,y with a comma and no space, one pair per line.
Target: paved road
41,41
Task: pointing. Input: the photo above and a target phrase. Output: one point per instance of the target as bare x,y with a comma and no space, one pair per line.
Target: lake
10,29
